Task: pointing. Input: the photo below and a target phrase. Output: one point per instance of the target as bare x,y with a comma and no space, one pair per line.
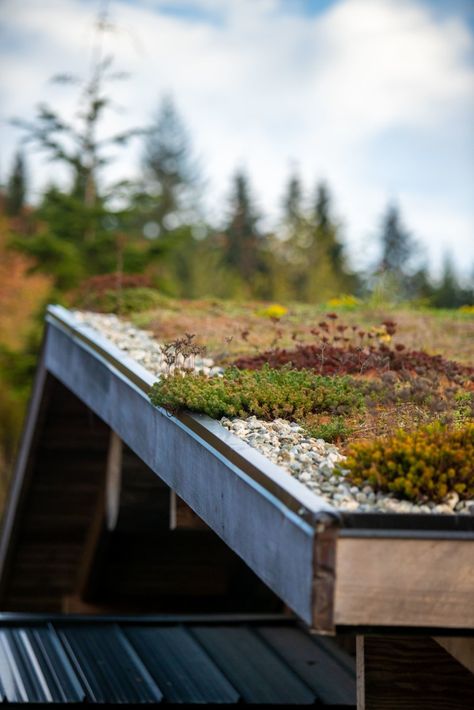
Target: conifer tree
449,293
16,187
293,202
243,238
170,171
287,247
79,218
397,250
326,229
75,142
327,273
396,243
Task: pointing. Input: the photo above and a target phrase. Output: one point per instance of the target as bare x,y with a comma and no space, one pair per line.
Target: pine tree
393,274
79,237
75,143
170,171
396,242
243,238
17,186
449,293
327,231
286,248
326,270
293,202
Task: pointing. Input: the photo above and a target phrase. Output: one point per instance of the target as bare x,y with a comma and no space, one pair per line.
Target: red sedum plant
340,349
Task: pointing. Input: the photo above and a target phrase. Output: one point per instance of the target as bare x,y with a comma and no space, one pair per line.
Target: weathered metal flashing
308,506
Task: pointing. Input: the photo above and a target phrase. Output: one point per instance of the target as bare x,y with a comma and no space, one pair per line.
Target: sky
376,97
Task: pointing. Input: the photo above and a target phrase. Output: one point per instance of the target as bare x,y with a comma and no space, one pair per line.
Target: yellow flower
273,311
343,301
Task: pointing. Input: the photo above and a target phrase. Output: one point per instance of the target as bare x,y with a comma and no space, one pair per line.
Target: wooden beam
387,582
411,672
75,605
93,555
182,516
113,481
461,648
130,503
360,673
22,472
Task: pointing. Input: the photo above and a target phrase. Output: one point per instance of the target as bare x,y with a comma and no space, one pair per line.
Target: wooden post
182,517
113,480
410,672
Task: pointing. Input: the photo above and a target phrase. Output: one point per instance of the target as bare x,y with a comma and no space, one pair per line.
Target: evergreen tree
419,285
396,243
75,143
393,277
326,271
17,187
293,202
171,174
243,238
327,230
449,293
286,249
77,217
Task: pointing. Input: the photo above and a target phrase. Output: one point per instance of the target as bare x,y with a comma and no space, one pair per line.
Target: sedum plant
266,393
426,464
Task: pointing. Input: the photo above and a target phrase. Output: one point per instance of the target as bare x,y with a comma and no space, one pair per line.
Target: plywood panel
403,582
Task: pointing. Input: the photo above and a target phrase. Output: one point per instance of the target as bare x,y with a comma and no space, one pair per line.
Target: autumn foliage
21,293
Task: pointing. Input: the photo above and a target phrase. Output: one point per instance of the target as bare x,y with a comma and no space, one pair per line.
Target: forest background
123,246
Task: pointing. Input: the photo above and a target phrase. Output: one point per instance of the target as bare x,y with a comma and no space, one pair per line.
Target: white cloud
261,87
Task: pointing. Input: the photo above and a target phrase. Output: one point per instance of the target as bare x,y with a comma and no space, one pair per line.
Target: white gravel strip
139,344
312,461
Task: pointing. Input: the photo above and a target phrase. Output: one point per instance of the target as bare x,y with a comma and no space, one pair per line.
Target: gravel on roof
311,461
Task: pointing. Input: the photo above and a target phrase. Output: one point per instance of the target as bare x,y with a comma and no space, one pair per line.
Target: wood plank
413,673
404,582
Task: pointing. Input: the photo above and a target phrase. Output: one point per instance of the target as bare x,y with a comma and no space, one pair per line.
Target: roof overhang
332,569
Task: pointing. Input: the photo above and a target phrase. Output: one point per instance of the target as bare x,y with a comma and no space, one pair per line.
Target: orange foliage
21,293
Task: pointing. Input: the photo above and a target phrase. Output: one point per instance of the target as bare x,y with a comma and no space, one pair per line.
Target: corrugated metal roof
105,660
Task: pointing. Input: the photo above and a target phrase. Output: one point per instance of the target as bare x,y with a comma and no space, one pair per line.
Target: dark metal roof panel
35,668
252,666
109,667
181,667
334,683
179,660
